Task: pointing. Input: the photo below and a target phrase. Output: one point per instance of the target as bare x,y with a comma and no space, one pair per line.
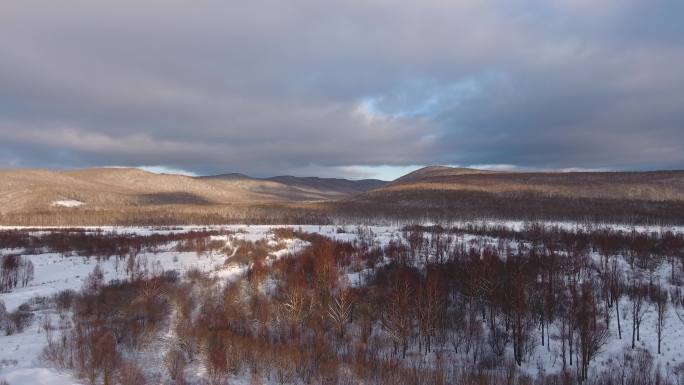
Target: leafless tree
397,320
339,312
175,363
659,297
637,293
591,334
616,289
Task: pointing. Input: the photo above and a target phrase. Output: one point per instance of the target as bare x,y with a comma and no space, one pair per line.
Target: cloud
270,87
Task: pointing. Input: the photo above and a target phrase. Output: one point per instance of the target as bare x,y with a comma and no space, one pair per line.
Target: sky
343,88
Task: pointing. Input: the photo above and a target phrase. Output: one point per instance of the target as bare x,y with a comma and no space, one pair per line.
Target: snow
672,344
19,353
19,360
39,376
67,203
54,272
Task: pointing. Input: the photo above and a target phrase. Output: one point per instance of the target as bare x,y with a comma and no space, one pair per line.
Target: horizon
396,174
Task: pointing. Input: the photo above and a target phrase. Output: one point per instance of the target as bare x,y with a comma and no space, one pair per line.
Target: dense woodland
449,205
380,206
170,215
458,305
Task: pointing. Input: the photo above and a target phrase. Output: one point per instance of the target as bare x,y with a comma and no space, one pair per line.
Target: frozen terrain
54,272
19,353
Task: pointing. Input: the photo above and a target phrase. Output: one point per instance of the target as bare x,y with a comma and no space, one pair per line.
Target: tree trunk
570,343
660,333
563,335
633,328
617,316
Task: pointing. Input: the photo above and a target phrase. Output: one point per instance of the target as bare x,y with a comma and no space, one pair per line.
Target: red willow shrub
426,310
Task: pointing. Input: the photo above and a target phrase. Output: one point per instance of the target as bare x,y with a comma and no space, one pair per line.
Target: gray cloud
270,87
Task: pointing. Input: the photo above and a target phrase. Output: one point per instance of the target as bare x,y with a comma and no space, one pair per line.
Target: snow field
19,363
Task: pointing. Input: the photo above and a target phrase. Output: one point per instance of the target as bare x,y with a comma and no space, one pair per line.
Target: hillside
120,188
292,187
132,196
438,174
654,185
439,192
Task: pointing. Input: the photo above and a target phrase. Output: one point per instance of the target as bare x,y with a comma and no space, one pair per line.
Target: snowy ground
19,353
19,362
672,346
54,273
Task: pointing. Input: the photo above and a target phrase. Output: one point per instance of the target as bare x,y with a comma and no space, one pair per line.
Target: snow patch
67,203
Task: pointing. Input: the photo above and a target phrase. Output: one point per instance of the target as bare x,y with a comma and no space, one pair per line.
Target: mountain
439,174
133,196
325,186
301,188
651,185
452,193
117,188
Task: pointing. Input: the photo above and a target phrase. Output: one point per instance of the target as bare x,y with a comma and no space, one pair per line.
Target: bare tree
94,281
297,305
637,293
106,357
397,320
430,308
616,289
4,316
26,271
175,365
592,335
659,297
130,374
9,272
339,312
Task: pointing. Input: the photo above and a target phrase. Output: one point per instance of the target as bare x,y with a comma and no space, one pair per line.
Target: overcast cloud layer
341,87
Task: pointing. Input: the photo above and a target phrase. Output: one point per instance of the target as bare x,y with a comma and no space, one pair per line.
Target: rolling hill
653,185
439,192
289,187
117,188
132,196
